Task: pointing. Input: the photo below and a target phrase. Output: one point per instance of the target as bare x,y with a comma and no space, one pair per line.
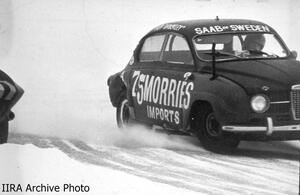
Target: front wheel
3,132
210,133
123,113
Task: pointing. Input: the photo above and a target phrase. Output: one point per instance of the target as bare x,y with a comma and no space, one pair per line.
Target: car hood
253,75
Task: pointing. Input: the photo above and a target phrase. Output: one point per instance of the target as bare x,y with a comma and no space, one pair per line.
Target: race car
222,80
10,93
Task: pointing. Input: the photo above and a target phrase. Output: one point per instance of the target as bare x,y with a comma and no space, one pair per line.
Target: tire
210,134
123,114
3,132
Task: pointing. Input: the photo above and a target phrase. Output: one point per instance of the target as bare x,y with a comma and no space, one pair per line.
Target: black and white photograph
127,97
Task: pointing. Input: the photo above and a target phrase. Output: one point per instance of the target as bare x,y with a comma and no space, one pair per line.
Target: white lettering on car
148,88
176,27
164,90
140,96
136,74
156,90
168,94
232,28
163,114
171,95
189,87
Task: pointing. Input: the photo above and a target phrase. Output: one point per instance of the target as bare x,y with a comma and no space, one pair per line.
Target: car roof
190,28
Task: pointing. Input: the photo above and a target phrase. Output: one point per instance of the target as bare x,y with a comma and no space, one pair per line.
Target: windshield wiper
215,53
223,53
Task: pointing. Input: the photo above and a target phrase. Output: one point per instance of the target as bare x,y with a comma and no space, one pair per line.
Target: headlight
260,103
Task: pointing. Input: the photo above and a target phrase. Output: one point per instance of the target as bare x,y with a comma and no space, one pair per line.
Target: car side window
178,51
151,48
236,43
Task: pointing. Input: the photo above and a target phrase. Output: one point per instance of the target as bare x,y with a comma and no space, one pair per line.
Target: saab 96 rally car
10,93
223,80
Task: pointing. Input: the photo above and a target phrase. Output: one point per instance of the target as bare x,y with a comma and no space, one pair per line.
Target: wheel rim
124,112
212,126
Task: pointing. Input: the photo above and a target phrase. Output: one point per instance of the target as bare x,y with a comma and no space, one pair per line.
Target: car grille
295,100
279,108
282,118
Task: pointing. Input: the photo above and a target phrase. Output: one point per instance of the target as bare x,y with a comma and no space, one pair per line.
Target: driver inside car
254,43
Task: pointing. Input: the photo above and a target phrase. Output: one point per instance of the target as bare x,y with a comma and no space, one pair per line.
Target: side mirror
294,54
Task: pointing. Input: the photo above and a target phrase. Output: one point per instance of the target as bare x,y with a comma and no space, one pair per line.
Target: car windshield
239,46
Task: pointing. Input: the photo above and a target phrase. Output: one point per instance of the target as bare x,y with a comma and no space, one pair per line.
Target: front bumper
269,129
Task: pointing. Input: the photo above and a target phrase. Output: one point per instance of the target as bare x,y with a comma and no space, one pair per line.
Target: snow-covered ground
30,165
135,165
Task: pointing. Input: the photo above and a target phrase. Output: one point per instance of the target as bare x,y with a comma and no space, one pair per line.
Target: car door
143,80
177,84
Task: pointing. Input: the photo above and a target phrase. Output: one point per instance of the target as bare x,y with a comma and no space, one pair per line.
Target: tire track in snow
258,172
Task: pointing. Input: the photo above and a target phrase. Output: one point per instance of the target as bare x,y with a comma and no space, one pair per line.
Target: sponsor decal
166,94
232,28
176,27
163,114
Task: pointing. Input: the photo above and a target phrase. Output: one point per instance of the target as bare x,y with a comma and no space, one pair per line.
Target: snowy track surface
255,168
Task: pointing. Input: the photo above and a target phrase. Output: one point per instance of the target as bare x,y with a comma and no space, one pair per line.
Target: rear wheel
3,132
123,113
210,134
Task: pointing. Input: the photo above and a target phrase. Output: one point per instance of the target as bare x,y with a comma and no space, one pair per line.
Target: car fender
227,98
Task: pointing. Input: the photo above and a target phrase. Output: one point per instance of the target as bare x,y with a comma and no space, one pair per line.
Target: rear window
151,49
